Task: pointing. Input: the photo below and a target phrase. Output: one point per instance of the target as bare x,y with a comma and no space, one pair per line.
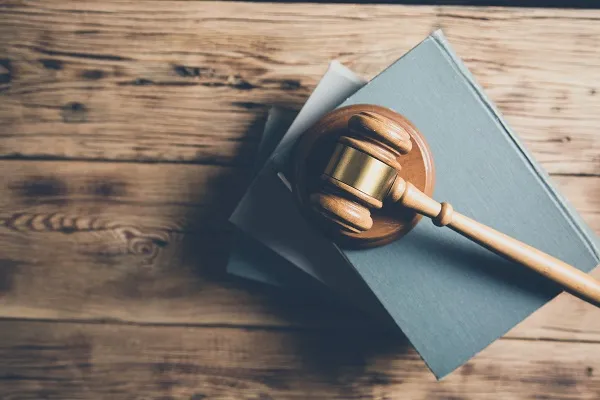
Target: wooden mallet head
344,166
362,170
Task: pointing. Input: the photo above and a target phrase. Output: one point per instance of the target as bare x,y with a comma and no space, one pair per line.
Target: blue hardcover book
450,297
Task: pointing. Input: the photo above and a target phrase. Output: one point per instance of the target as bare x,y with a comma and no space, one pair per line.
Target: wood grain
126,132
132,242
81,361
147,243
185,81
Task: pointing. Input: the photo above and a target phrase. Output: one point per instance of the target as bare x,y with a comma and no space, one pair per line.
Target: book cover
249,258
449,296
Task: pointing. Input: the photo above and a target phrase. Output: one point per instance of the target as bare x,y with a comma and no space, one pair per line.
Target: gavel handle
572,279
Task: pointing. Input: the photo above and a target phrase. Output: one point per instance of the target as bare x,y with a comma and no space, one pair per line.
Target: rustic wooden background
127,131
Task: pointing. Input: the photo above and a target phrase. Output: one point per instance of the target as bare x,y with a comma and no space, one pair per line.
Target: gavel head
345,166
362,171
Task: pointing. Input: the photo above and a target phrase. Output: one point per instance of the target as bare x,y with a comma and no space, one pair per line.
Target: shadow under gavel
363,173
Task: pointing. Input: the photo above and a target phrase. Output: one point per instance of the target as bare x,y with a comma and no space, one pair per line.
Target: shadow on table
327,333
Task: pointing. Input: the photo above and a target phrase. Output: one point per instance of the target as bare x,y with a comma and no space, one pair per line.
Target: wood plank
147,243
143,243
132,242
186,81
77,361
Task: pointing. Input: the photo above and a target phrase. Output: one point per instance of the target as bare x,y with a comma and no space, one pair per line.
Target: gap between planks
245,327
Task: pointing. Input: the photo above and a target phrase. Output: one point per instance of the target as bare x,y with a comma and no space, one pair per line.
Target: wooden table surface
127,132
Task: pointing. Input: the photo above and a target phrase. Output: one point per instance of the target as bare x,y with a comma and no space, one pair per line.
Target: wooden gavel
363,173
